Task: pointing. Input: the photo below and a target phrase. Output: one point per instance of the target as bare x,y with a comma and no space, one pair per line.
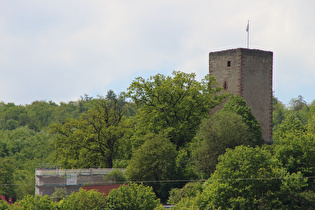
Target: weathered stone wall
224,74
247,73
257,87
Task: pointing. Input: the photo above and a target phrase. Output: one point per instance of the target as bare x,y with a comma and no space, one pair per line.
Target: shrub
132,196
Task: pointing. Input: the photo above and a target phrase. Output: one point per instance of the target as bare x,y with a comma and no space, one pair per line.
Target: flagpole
247,30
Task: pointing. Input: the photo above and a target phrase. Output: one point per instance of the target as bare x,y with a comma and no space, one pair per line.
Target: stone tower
248,73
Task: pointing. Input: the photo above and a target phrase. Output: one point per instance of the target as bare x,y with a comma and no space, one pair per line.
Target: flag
247,27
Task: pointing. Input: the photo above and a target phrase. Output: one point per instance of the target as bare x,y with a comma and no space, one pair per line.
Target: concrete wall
250,76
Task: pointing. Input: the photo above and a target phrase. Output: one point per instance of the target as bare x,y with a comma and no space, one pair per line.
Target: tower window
225,85
228,63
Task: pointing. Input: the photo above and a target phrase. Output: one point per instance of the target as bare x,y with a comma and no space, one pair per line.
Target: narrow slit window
229,64
225,85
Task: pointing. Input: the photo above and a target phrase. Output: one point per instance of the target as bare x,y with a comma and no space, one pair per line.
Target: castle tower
248,73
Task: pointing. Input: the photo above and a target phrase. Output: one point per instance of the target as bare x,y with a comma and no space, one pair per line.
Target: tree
223,130
59,194
298,103
297,154
250,178
300,108
36,202
6,177
3,205
83,199
153,162
239,106
25,148
115,176
174,103
291,125
133,197
279,112
311,121
190,190
92,140
39,114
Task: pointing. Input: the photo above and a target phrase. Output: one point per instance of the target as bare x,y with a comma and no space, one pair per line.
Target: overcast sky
60,50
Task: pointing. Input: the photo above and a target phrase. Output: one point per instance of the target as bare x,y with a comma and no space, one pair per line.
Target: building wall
250,76
257,87
224,74
46,180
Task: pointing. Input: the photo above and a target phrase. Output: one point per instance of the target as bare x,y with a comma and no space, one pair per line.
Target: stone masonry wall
257,87
247,73
224,74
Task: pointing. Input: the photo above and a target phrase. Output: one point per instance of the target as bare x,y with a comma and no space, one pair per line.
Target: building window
228,63
225,85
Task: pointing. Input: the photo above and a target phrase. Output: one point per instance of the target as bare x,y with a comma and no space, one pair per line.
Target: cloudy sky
60,50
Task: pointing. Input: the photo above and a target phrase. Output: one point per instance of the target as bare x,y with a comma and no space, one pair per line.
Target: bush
132,196
83,200
59,194
115,176
37,202
191,189
3,205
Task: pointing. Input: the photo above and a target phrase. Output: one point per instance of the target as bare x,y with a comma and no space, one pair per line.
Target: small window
225,85
228,63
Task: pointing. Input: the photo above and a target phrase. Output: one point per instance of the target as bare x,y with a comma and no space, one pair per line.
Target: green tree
250,178
39,114
299,108
290,126
279,112
3,205
83,200
115,176
174,103
132,197
59,194
298,103
36,202
94,139
26,148
190,190
297,154
223,130
6,177
12,116
311,121
239,106
154,161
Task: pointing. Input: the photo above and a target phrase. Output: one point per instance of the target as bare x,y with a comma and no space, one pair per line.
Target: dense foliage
93,140
165,138
175,104
133,197
154,162
221,131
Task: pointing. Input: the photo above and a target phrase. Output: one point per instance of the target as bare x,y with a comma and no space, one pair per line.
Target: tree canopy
239,106
93,139
165,137
223,130
249,178
153,162
174,103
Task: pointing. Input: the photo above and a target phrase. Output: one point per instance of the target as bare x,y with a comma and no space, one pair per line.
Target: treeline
160,130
